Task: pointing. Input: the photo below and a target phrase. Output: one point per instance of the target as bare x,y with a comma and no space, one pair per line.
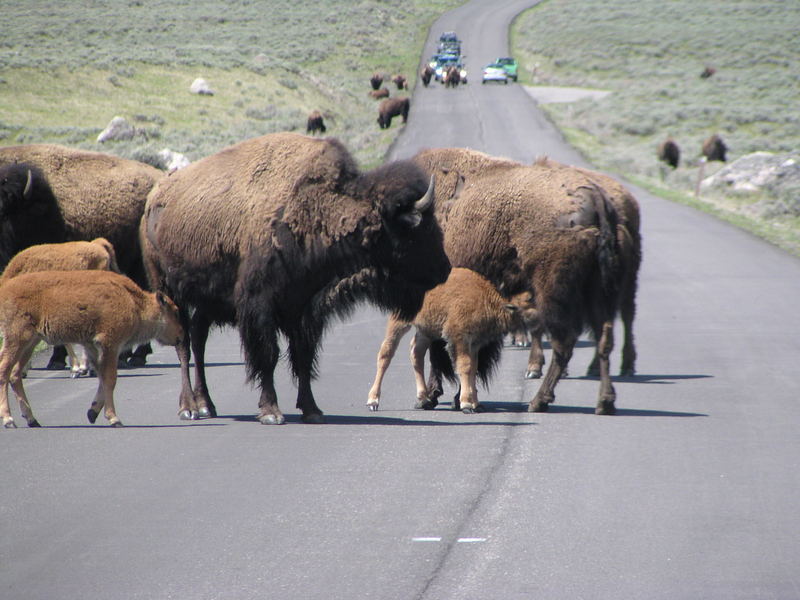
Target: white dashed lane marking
464,540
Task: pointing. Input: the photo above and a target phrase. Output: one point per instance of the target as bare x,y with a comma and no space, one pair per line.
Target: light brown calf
471,317
104,311
67,256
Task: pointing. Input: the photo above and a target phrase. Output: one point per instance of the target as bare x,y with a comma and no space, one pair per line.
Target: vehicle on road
444,63
510,66
494,72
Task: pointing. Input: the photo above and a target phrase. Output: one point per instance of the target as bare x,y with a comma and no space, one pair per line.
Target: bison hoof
605,408
272,419
373,407
92,415
33,423
10,425
533,374
204,413
313,419
426,404
116,424
627,372
56,365
185,415
137,361
539,407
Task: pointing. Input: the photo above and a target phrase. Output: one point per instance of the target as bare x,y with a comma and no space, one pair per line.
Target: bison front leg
467,370
17,375
187,407
104,398
395,330
562,352
302,355
419,347
535,356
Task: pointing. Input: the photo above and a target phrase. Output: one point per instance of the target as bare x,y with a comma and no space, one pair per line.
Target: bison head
29,213
407,248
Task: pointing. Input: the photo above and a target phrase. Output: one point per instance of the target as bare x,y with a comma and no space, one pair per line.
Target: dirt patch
550,94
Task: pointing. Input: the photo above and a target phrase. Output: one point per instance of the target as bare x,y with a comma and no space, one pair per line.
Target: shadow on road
375,419
662,379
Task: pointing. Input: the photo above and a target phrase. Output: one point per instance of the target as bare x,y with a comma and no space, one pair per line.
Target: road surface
689,492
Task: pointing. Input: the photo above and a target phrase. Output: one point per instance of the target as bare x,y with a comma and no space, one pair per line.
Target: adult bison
390,108
452,76
279,234
376,80
426,74
400,81
551,232
315,122
76,195
714,148
669,152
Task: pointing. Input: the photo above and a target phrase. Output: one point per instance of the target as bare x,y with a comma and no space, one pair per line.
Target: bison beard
308,236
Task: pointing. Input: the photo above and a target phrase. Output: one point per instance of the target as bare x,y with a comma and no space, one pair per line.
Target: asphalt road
689,492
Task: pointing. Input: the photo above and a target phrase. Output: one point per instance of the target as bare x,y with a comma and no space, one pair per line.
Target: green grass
67,68
650,54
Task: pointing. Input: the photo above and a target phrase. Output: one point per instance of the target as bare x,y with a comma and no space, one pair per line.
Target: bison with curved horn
75,195
279,234
550,232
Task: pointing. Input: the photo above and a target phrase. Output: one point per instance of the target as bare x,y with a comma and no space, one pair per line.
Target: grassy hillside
650,54
67,68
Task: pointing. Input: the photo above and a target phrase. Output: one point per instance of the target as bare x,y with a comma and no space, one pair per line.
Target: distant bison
376,80
279,234
103,311
315,123
462,323
426,74
74,195
400,81
451,76
392,107
714,148
379,94
669,153
707,72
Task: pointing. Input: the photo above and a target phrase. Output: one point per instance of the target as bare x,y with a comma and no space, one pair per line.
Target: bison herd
279,234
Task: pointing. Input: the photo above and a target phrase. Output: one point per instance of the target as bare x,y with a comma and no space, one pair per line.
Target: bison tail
608,250
441,361
488,359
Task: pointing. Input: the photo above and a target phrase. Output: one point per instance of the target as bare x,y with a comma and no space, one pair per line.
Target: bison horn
28,185
424,203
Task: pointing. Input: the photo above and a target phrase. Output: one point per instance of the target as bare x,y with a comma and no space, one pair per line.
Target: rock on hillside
774,176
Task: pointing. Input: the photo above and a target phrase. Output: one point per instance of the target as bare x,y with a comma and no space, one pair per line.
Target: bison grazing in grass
279,234
462,323
714,148
315,123
74,195
552,232
669,153
103,311
392,107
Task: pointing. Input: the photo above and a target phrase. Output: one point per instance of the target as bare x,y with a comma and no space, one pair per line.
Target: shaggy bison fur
551,232
279,234
315,123
669,153
714,148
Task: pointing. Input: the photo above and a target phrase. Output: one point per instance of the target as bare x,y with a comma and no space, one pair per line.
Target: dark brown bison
392,107
551,232
315,123
707,72
400,81
426,74
277,235
452,76
630,246
379,94
376,80
714,148
77,195
669,153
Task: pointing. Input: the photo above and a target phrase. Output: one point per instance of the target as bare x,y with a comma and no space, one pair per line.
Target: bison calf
97,255
467,316
104,311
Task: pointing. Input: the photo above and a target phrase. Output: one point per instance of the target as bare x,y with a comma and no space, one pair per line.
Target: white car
495,72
